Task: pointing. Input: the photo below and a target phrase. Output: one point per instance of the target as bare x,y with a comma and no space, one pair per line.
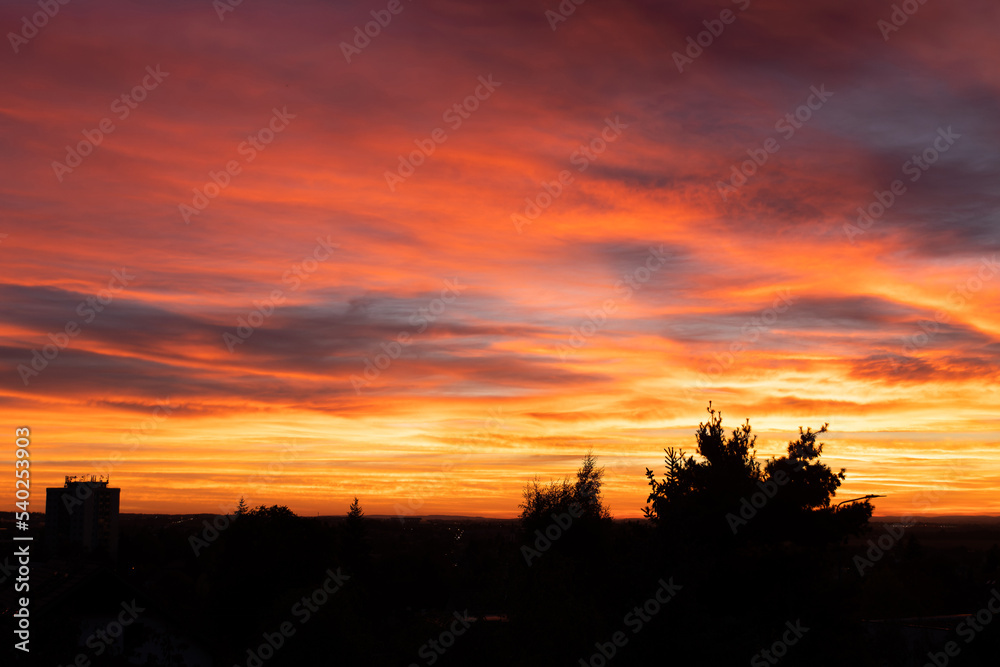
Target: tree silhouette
354,541
581,500
587,490
762,535
695,494
729,491
274,515
566,538
263,554
542,500
355,515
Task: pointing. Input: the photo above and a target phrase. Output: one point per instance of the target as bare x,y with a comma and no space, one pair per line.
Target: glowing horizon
311,258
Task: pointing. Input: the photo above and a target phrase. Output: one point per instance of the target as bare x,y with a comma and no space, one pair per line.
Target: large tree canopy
727,490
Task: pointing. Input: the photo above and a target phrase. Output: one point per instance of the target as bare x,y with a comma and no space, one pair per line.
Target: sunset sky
577,264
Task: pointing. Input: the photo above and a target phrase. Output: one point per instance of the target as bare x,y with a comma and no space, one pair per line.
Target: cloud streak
847,349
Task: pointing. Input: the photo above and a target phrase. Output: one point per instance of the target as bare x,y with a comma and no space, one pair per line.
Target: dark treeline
737,562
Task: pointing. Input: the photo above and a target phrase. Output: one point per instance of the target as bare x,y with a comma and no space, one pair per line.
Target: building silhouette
82,517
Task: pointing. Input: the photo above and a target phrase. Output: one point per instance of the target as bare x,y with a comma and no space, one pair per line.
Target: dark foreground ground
311,591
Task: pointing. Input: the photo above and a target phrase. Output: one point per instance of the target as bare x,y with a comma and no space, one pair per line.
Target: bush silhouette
581,499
